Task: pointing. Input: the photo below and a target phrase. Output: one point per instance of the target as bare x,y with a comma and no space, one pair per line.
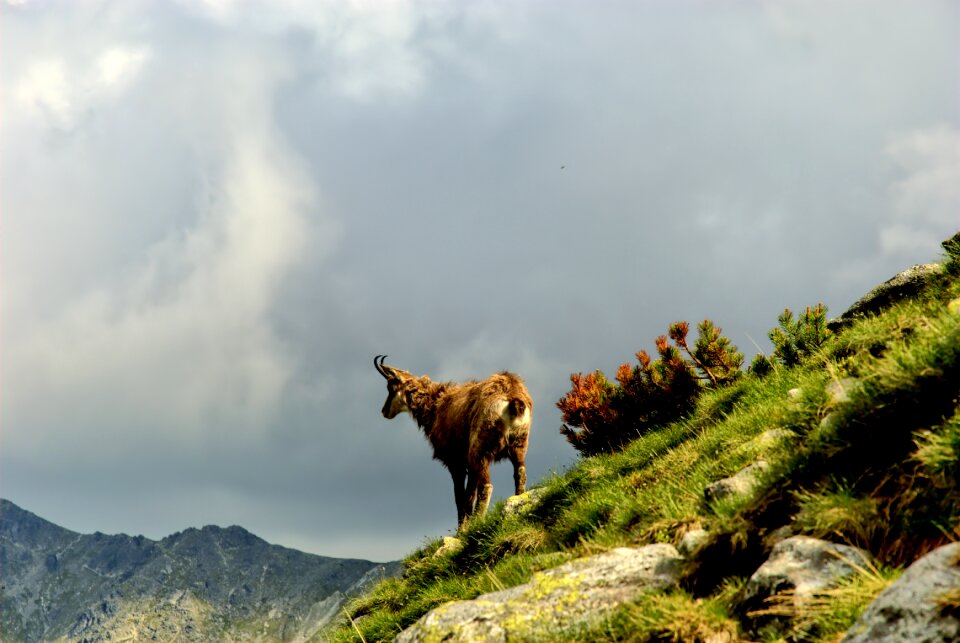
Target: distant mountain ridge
198,584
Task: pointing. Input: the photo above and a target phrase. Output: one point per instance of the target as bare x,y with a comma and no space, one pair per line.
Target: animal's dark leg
519,472
485,490
471,492
459,495
520,479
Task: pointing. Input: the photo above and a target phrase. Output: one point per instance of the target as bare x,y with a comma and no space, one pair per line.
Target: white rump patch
511,423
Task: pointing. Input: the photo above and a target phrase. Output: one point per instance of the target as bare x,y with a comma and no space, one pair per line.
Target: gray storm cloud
926,192
178,348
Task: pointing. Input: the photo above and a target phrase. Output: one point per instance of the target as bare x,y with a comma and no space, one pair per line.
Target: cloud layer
216,213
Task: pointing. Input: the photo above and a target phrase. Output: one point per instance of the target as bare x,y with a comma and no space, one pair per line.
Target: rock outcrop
798,568
899,287
919,607
563,599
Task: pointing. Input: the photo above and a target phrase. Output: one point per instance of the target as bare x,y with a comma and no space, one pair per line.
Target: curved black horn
379,365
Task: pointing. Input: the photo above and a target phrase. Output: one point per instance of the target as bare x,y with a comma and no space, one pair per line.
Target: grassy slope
881,474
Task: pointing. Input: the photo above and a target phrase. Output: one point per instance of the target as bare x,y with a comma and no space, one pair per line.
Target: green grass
879,471
838,512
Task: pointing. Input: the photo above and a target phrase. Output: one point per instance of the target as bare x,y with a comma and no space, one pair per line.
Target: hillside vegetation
877,468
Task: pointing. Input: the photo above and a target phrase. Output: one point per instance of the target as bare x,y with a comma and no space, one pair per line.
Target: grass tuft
938,452
839,513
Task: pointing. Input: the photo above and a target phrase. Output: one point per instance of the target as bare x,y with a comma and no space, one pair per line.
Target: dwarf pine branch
796,339
600,416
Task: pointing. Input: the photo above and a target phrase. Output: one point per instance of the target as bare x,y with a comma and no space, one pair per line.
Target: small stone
744,481
449,547
521,504
780,533
771,437
839,390
794,393
692,540
830,422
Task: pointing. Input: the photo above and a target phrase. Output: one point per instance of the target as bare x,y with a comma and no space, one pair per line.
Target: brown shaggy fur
470,426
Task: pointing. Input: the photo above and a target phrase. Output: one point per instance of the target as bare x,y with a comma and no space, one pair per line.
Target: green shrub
713,355
761,365
798,339
952,248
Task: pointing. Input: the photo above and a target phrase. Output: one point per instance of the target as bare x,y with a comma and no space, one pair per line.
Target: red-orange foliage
588,405
678,333
624,373
588,401
600,416
643,358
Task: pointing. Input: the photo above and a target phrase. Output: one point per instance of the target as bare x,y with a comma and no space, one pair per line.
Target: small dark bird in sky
562,166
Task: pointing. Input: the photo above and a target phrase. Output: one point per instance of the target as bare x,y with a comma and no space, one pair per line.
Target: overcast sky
214,214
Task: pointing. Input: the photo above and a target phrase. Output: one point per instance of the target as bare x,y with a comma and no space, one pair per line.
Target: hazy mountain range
198,584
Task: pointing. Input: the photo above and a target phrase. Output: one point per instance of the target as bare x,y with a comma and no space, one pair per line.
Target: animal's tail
517,407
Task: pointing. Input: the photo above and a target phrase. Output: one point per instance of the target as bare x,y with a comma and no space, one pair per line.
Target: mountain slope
199,584
857,445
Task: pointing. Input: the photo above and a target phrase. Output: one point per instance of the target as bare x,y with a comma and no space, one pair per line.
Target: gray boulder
801,566
563,599
908,610
742,482
903,285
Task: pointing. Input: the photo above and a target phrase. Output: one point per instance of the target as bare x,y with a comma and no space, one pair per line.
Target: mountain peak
58,583
21,526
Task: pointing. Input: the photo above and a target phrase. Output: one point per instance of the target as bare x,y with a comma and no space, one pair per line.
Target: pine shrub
952,248
601,417
761,365
589,406
797,339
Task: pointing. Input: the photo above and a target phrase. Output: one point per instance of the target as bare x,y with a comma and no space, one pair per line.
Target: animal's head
396,395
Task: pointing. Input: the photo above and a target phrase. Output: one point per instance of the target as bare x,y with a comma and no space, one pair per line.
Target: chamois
470,426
